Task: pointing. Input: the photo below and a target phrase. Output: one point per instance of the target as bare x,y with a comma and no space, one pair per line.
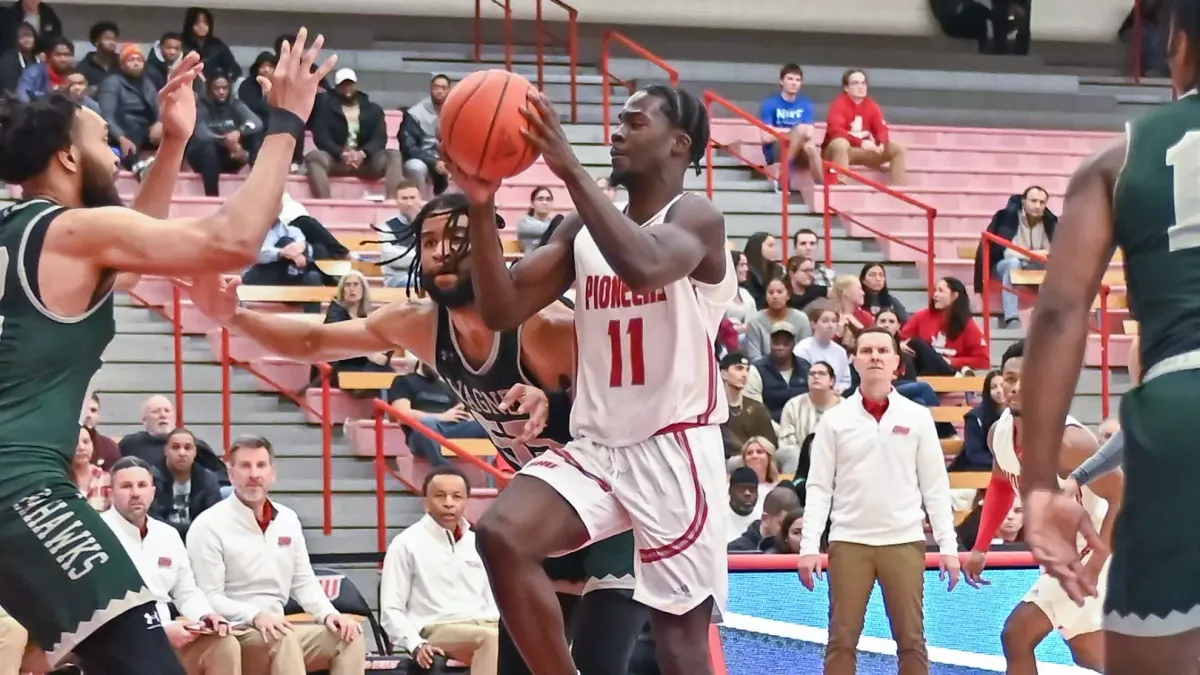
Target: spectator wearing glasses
791,114
18,56
802,277
419,138
42,78
104,60
856,134
350,132
227,135
129,103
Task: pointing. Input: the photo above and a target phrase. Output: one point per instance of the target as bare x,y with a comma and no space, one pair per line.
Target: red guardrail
506,5
177,340
572,44
832,170
785,174
609,37
1101,325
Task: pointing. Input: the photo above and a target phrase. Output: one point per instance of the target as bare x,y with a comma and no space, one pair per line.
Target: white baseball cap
344,75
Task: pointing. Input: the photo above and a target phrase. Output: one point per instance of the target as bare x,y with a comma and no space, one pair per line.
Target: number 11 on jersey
618,335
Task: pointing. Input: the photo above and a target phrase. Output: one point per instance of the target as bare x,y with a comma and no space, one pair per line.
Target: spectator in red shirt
856,133
943,338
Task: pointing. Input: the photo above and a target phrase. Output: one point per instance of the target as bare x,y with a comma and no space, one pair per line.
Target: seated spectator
92,481
164,57
802,286
105,452
876,296
350,133
975,454
744,507
1109,426
822,345
129,103
434,597
943,338
250,92
804,244
1027,223
762,534
183,488
784,375
743,306
325,246
158,553
399,251
964,20
762,254
757,337
532,228
424,394
856,133
747,418
1008,538
890,321
791,114
285,259
249,556
847,297
790,532
51,73
420,143
40,15
158,420
104,60
759,454
199,36
227,135
17,57
76,87
801,414
353,301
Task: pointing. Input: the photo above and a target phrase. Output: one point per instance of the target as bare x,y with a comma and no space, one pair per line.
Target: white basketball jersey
1004,448
644,361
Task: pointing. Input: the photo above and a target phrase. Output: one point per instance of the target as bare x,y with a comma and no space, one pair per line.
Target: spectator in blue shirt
790,113
42,78
286,259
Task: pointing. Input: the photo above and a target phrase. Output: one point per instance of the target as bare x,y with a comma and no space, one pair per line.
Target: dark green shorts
605,564
1153,585
64,572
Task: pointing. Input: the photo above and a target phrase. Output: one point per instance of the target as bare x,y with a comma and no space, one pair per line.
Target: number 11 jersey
644,361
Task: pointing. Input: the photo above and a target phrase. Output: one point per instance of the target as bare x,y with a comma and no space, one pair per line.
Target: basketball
482,123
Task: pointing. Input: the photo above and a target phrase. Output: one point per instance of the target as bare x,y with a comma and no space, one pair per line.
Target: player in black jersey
483,367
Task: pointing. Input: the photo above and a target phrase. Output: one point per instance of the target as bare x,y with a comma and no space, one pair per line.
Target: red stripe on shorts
692,533
571,460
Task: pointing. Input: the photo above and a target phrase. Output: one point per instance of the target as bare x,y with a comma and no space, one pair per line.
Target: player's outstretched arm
506,297
1060,318
122,239
997,502
177,113
408,325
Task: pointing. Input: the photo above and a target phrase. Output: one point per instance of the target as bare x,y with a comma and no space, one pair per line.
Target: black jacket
11,67
331,132
130,106
215,119
206,491
753,541
776,391
975,454
95,72
152,449
216,56
12,16
1004,225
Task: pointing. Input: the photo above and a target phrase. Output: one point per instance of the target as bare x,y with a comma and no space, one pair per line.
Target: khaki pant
212,655
307,647
13,641
474,641
840,152
385,164
853,570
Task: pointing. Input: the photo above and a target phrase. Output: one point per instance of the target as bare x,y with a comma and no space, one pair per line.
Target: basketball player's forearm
629,248
158,188
242,222
281,335
495,290
1108,458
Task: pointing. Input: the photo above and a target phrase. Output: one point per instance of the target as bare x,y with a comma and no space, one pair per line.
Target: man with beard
68,580
489,371
350,132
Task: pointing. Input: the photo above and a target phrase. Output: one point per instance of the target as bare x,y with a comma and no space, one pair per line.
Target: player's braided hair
687,113
31,133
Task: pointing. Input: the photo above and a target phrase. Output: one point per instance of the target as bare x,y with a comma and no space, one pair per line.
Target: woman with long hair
788,541
93,482
801,414
743,305
762,256
876,296
943,338
757,336
890,321
848,297
199,36
801,272
353,301
758,453
533,226
976,424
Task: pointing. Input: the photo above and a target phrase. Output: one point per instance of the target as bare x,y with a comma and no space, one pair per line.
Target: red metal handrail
605,54
506,5
1102,327
831,170
572,43
326,372
177,335
784,176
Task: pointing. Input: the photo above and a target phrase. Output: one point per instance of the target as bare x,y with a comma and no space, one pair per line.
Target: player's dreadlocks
687,113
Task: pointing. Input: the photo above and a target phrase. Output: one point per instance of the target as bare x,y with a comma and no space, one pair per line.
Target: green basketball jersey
1156,207
46,361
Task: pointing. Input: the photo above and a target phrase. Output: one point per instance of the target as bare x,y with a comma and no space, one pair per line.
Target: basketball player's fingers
265,83
536,123
512,397
311,54
805,577
298,45
326,68
954,575
543,105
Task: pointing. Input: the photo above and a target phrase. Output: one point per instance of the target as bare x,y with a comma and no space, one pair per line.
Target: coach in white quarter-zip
435,597
876,459
160,557
249,556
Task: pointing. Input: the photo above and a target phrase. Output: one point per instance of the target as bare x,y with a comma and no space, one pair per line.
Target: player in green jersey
66,578
1141,193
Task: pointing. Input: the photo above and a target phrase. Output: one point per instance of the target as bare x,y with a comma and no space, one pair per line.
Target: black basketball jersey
482,390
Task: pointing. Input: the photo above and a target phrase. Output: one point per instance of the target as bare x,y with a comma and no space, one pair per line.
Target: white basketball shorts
1068,618
671,491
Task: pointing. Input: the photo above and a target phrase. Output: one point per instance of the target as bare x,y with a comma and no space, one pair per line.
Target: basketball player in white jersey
652,283
1046,606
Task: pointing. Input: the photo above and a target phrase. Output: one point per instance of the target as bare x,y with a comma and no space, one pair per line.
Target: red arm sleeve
879,127
973,350
997,502
837,123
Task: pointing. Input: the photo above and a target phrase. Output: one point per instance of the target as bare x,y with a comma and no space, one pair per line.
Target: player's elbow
501,317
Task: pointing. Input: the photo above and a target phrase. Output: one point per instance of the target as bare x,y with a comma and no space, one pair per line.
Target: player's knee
1015,640
498,537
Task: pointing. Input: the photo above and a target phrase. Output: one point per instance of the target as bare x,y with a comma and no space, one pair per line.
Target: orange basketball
482,122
